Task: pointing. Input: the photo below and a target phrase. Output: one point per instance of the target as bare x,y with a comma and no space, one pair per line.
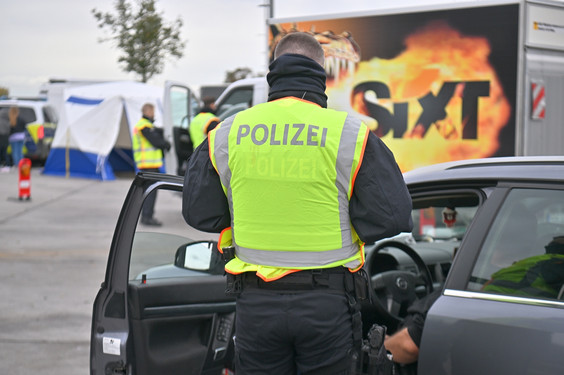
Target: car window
183,106
440,220
523,253
27,114
240,99
157,250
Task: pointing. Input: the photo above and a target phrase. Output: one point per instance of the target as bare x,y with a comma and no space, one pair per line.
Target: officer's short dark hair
208,100
300,43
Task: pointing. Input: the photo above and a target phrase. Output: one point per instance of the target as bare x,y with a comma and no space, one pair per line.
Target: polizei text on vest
287,134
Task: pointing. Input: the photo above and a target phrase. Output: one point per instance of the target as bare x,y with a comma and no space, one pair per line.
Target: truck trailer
443,82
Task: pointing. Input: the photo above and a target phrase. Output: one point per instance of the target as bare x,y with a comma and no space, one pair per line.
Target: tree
4,92
142,36
237,74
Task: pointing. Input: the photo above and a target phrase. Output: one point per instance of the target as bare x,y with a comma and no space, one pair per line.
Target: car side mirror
199,256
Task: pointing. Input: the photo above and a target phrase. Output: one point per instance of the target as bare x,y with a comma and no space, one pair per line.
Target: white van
41,120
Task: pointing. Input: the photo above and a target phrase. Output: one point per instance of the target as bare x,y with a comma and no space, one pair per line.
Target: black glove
167,146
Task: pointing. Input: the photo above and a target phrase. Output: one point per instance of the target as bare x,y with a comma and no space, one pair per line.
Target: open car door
162,307
180,106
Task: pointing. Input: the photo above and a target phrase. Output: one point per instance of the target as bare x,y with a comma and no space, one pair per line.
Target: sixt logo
433,107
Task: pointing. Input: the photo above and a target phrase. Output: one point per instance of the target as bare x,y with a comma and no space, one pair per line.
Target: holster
356,287
228,253
374,359
370,357
234,286
361,285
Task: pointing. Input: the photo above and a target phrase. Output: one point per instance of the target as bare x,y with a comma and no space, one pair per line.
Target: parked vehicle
442,82
41,120
502,304
162,307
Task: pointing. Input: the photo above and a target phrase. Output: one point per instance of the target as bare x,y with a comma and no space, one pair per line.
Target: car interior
422,257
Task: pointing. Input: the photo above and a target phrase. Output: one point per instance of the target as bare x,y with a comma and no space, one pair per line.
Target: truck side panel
544,112
435,85
543,80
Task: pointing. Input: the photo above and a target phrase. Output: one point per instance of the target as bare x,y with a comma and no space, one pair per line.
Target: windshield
443,218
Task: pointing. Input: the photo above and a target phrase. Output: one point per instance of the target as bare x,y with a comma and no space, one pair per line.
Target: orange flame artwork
441,73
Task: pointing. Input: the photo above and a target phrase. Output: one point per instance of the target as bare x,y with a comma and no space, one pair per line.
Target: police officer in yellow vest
540,276
296,190
148,147
203,122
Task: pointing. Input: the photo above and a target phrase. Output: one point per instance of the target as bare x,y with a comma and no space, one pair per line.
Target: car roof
534,168
23,103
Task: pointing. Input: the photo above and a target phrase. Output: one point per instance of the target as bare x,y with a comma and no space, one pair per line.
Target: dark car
487,234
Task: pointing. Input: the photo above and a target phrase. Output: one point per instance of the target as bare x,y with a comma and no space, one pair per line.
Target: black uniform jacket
156,137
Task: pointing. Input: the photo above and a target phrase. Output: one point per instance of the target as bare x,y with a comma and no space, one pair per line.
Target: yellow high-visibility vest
288,169
199,127
144,153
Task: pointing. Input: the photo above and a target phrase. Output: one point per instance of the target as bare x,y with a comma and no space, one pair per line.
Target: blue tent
93,136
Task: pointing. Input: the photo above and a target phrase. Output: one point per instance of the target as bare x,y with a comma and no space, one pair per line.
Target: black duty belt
329,279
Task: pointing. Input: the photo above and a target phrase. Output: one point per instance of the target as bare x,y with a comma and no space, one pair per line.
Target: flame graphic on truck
440,89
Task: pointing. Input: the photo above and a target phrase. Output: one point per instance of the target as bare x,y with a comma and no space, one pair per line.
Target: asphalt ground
53,253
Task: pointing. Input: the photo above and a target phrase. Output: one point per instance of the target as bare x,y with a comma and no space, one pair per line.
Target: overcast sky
42,39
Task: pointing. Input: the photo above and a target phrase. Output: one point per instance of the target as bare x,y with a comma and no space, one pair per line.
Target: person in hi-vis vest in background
149,145
203,122
295,189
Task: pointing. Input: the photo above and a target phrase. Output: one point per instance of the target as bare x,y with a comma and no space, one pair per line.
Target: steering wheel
394,291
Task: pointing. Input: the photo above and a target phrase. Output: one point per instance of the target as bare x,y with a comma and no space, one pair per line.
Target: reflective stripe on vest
144,153
198,127
310,165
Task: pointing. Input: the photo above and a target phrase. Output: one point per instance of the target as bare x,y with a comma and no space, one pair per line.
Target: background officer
148,145
203,122
296,189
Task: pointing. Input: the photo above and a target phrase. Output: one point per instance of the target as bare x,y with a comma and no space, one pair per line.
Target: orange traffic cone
24,182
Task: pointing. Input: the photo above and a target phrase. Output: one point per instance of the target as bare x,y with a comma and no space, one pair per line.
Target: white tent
93,136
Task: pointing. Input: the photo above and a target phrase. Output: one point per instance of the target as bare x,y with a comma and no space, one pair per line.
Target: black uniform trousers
289,328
